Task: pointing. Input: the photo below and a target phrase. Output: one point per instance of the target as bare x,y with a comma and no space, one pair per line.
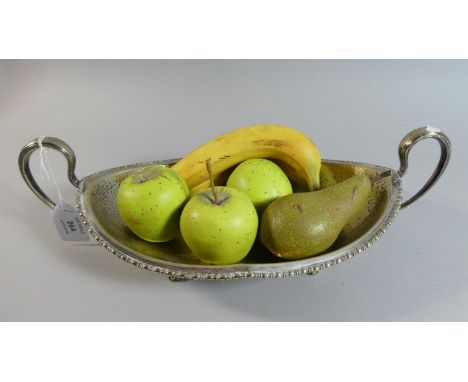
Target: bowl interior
97,197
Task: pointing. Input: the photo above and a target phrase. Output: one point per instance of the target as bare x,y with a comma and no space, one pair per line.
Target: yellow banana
293,151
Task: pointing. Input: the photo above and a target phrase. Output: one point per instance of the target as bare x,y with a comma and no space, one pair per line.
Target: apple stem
210,175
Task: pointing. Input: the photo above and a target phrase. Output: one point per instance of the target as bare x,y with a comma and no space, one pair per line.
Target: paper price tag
68,223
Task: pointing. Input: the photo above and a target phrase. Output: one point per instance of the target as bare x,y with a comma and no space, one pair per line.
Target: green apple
150,201
262,180
219,226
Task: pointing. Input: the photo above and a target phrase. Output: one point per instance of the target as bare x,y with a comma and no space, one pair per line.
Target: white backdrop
117,112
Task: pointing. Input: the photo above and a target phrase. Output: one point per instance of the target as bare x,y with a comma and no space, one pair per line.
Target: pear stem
210,175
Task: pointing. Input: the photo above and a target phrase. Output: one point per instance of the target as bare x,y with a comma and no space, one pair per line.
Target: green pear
307,223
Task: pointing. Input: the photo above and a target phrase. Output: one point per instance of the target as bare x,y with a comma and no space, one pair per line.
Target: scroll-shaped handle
409,141
25,155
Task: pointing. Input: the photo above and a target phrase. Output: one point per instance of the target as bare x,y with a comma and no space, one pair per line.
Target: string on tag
47,169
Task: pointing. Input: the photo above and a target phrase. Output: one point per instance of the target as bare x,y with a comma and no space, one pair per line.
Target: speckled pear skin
305,224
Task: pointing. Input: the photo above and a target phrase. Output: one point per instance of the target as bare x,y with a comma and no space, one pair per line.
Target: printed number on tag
68,223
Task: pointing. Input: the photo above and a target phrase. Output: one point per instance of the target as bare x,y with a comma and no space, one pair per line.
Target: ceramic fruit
307,223
262,180
292,150
150,201
219,225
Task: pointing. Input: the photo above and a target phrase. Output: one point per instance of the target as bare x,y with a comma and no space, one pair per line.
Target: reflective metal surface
96,201
409,141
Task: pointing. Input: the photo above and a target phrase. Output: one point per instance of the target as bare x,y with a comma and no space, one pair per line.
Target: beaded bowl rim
308,266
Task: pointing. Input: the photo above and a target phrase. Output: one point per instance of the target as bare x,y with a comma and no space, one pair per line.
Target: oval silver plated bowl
96,202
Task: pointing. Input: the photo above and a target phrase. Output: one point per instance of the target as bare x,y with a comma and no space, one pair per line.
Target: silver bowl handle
403,151
25,155
409,141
